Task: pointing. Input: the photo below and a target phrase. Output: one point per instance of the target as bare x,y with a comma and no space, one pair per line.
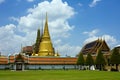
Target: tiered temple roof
93,47
3,60
52,60
28,50
42,60
17,58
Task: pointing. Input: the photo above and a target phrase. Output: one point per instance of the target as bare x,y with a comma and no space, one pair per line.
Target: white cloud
8,39
1,1
12,36
117,45
58,41
92,33
30,0
80,4
14,19
90,39
68,50
94,3
26,0
58,14
65,49
111,40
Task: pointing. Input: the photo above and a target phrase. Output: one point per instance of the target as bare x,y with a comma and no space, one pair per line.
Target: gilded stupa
46,46
44,43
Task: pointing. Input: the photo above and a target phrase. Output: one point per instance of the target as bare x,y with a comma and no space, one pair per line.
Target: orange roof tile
3,60
40,60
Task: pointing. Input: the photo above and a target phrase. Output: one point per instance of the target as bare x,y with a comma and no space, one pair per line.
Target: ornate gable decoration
93,47
19,58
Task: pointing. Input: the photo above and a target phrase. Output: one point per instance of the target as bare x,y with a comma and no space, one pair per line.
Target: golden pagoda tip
46,16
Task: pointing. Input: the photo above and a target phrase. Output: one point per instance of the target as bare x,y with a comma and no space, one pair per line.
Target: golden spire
46,31
46,47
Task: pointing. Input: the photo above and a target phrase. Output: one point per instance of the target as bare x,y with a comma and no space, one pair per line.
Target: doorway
18,66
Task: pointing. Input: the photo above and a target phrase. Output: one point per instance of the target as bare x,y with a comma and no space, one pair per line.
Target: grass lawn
58,75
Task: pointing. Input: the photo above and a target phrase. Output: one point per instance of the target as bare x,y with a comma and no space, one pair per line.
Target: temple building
44,58
118,47
45,46
42,54
27,50
94,46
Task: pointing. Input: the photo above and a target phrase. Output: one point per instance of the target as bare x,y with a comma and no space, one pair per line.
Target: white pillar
22,66
15,67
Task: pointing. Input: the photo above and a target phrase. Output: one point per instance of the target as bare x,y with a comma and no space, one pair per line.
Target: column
23,66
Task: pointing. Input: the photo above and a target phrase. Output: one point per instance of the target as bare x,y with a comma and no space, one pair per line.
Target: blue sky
72,23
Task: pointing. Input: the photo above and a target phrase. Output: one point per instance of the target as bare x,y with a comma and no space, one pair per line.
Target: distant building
27,50
94,46
21,62
3,62
118,47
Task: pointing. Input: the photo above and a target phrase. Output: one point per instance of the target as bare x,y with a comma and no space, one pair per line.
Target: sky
72,23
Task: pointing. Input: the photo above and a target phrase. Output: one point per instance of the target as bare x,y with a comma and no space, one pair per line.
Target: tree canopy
89,60
80,60
100,60
115,57
36,46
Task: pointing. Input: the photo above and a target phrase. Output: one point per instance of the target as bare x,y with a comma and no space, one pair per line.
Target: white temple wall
3,66
51,66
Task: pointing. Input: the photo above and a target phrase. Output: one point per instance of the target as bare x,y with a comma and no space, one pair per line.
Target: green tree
115,57
100,60
38,39
89,60
80,60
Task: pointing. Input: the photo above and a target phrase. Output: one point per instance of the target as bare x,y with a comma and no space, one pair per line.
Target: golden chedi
46,47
